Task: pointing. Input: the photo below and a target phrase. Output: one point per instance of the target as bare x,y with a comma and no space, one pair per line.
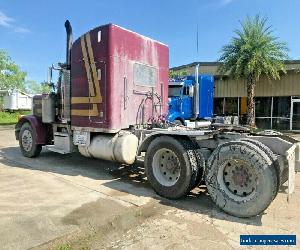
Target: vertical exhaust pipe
196,94
66,84
69,43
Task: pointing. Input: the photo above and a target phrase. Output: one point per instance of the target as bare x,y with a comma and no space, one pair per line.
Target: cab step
57,150
63,143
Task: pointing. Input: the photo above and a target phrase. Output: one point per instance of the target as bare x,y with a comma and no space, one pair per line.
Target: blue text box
268,240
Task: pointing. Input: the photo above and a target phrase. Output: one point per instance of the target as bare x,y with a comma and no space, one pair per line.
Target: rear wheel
27,142
201,167
282,171
171,166
241,178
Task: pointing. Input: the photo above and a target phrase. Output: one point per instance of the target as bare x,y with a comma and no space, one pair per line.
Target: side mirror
191,91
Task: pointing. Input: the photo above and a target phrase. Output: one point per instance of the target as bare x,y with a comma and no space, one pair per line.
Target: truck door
88,88
187,103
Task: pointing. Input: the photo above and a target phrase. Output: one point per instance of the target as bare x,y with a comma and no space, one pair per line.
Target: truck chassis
242,170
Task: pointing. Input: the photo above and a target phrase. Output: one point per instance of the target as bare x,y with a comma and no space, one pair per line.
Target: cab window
174,91
186,90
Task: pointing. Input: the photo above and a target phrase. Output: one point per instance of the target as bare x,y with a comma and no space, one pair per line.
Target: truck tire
171,166
280,169
201,167
27,142
241,178
177,122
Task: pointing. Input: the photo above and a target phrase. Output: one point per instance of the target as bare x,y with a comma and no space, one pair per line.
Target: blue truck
191,99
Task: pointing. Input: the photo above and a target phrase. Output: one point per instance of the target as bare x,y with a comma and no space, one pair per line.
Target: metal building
277,102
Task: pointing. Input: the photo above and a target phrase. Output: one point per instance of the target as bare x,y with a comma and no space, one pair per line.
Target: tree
11,76
46,89
252,52
33,87
174,74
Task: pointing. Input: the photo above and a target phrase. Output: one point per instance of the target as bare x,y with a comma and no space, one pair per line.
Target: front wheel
171,166
27,142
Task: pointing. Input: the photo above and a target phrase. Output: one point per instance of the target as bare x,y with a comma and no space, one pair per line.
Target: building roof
9,91
212,67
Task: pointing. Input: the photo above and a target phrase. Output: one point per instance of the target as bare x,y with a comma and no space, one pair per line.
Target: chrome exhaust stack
196,94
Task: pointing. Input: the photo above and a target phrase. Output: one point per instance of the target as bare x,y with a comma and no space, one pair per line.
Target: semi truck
110,102
191,99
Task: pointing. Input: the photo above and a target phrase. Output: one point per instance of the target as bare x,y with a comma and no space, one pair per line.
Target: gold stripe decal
87,112
93,65
94,85
87,67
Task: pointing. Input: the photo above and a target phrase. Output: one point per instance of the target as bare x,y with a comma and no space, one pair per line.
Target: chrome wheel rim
27,140
166,167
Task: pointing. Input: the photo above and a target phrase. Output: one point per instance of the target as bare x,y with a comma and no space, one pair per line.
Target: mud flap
292,156
297,158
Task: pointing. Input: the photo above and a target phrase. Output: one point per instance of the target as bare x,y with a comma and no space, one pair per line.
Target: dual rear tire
241,176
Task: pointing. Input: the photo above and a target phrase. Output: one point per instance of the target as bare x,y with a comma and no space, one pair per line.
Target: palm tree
252,52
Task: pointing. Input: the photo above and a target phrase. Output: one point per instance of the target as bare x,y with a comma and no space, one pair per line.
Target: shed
14,100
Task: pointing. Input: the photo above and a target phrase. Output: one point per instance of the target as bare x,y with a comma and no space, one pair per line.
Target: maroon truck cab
113,74
113,79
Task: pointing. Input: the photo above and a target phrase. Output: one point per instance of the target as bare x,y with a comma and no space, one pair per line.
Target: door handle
125,93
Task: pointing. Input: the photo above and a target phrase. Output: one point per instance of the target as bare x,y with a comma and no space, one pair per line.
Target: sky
32,32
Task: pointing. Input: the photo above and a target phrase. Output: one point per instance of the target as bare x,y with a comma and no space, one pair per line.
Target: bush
8,118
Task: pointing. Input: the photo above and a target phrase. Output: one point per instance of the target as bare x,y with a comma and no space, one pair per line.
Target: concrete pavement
59,200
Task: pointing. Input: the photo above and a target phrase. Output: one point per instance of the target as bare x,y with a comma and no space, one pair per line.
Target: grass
9,118
64,247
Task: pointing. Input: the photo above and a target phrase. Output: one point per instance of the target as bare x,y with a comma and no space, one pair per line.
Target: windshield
174,90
